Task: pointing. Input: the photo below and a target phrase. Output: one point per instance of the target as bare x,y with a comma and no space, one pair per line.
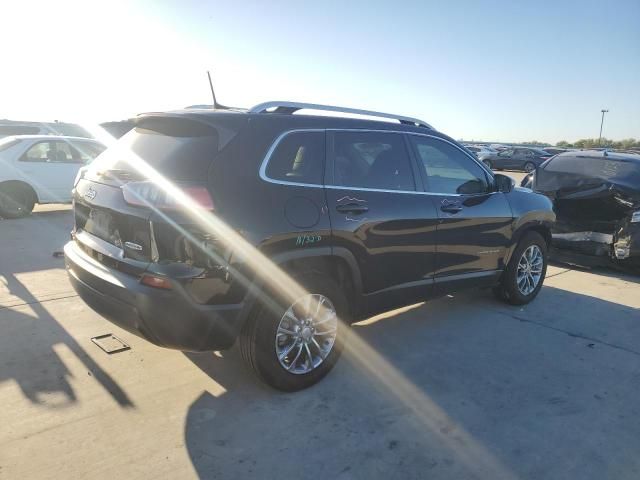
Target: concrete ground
461,387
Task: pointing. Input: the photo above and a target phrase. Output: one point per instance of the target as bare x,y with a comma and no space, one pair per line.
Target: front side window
449,170
375,160
298,158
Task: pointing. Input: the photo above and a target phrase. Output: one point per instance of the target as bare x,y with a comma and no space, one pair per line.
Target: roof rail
291,107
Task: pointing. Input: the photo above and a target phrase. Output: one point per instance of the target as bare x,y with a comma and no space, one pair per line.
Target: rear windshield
179,149
573,172
596,167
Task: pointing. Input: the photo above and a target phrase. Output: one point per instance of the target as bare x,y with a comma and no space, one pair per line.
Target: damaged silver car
596,197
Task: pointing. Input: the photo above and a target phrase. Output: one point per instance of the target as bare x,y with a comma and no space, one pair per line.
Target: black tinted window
372,160
594,167
299,157
448,169
180,149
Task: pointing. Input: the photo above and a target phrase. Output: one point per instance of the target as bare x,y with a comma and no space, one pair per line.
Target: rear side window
372,160
87,151
298,158
448,169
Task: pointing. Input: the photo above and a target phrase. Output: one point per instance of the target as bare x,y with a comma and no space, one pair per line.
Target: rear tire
261,333
529,167
16,200
487,164
519,283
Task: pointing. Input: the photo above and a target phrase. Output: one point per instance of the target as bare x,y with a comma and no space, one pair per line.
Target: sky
491,70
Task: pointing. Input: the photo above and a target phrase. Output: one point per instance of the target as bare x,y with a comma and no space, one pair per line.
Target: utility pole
601,123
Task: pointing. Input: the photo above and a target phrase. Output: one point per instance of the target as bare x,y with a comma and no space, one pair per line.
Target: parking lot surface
460,387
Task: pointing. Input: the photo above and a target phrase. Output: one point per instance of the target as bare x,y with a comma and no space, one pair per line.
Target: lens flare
284,290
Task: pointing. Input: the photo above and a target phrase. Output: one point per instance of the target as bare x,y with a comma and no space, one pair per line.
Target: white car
480,151
40,169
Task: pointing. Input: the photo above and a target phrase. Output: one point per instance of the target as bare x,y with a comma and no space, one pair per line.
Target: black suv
202,226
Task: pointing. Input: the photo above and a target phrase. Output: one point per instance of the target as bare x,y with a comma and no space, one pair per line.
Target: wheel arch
541,227
336,262
23,184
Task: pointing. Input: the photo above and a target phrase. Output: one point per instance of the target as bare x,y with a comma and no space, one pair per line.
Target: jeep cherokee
202,226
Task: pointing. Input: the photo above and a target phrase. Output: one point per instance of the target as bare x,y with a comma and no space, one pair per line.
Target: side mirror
503,183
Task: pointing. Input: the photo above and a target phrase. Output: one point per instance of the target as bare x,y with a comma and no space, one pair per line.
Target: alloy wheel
530,269
306,334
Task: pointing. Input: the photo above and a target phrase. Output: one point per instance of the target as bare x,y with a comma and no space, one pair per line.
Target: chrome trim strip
465,276
263,107
276,142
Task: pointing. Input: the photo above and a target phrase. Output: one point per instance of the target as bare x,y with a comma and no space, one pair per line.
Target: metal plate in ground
110,343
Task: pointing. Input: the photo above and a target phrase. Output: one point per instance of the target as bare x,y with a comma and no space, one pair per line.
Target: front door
378,214
474,221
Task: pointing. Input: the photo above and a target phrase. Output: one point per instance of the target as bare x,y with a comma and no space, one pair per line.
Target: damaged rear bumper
623,245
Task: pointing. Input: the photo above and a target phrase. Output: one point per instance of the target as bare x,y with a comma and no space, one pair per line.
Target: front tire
523,278
296,346
16,200
487,164
529,167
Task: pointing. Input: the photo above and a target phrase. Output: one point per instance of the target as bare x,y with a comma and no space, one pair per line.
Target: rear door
474,221
379,215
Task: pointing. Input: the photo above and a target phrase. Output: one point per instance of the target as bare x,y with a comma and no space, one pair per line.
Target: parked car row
518,158
505,157
12,127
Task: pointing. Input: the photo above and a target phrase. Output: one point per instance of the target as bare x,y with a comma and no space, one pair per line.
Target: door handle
451,207
354,208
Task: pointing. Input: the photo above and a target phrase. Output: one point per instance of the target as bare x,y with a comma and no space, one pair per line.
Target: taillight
149,194
156,282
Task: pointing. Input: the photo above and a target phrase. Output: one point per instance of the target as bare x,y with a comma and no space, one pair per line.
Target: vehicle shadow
29,334
462,387
29,358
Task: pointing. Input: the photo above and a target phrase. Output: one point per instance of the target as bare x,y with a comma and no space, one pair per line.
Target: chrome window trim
272,148
276,142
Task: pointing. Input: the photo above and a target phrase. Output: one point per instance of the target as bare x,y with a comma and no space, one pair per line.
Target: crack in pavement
567,332
6,307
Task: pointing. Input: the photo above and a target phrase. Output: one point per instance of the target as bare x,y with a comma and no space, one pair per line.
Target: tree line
624,144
